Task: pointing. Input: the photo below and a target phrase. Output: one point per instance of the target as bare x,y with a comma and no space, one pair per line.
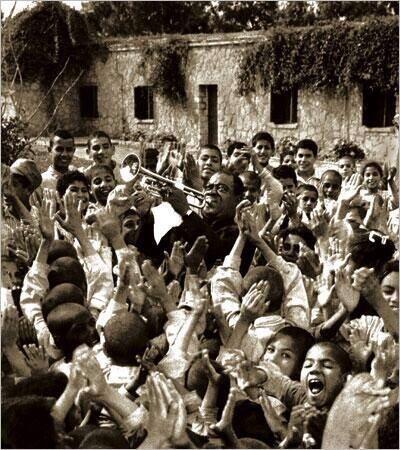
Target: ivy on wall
331,56
39,42
165,64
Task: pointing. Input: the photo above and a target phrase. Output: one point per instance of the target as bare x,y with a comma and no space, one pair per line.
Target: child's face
251,190
282,351
321,376
83,331
102,184
289,160
101,151
288,184
307,200
390,290
346,166
208,162
239,160
372,178
81,191
264,151
305,159
289,249
129,227
330,185
62,152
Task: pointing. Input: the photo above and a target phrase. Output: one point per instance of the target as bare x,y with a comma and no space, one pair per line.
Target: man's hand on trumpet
177,199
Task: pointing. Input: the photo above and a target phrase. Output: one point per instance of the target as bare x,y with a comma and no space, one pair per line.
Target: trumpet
131,168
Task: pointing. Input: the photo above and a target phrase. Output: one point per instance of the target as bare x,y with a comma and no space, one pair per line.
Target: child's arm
64,403
35,284
9,336
366,281
252,307
98,274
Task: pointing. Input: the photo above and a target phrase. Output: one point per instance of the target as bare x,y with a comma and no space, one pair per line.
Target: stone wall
213,60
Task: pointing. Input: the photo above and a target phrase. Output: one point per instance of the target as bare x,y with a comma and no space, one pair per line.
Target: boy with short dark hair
306,155
61,149
100,150
287,176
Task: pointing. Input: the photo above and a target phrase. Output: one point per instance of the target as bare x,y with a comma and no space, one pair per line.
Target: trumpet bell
130,168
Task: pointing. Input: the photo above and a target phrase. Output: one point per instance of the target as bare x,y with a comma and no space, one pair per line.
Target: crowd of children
266,316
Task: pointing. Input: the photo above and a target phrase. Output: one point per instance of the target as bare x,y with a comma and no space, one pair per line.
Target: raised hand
36,358
385,361
360,348
319,224
73,218
335,256
176,261
362,279
350,188
196,254
224,428
167,417
308,262
47,213
290,204
108,223
326,289
191,174
254,303
155,285
9,327
26,332
314,424
240,208
346,293
295,428
88,365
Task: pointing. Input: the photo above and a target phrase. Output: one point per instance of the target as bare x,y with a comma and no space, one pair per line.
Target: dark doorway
208,109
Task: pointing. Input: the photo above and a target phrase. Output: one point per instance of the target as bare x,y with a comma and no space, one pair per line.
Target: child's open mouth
315,386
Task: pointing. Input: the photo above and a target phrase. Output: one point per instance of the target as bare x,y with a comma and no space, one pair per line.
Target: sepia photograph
199,224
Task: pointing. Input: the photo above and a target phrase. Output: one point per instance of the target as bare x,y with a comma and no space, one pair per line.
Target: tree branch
56,108
48,92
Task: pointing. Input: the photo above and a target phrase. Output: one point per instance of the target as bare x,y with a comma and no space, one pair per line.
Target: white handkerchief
165,218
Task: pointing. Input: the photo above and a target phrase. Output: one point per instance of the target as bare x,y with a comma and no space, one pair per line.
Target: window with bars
88,101
379,108
144,108
284,106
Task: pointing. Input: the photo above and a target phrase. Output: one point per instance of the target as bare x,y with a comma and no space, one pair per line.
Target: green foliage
165,64
40,40
14,143
332,56
346,148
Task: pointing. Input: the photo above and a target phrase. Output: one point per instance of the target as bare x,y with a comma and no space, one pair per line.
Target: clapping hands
255,303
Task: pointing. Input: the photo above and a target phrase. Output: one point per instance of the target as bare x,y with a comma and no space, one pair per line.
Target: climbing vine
165,65
331,56
38,42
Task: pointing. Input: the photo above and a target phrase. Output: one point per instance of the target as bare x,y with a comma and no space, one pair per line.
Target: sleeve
34,289
289,392
99,279
295,306
273,192
226,287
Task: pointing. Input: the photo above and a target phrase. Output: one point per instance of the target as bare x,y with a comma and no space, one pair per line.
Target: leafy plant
347,148
14,142
332,56
165,64
39,42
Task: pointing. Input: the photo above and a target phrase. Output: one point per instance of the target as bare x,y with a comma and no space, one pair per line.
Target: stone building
117,98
